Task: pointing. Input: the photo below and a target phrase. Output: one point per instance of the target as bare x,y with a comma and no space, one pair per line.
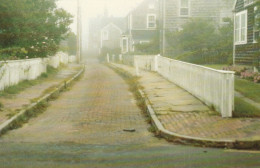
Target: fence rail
213,87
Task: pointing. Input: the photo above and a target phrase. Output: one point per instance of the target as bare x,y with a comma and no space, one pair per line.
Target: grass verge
248,89
34,112
216,66
39,108
244,109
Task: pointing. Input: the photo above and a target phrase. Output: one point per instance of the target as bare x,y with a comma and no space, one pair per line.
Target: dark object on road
129,130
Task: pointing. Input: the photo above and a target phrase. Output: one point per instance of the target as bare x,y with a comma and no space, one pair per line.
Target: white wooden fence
213,87
13,72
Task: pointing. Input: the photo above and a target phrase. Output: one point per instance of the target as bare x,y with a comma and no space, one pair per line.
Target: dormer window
184,8
151,21
248,2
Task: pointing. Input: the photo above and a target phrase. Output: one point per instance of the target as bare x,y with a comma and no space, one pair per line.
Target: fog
93,8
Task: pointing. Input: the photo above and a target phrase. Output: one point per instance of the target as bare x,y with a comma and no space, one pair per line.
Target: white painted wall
13,72
213,87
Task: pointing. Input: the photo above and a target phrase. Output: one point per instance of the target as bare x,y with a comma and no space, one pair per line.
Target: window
248,2
241,28
151,21
124,44
184,8
256,31
105,35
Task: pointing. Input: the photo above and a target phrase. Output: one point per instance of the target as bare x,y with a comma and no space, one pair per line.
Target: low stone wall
13,72
213,87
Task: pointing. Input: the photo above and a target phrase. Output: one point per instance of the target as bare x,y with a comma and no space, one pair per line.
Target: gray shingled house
175,13
103,32
141,25
111,36
246,32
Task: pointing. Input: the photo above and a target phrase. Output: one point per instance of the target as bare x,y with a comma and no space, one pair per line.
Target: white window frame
148,21
239,28
180,8
254,28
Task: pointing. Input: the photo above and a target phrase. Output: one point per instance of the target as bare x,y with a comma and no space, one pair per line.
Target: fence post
228,95
113,58
108,58
120,58
156,63
136,67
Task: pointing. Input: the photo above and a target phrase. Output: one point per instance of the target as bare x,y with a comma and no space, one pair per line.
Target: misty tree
36,26
152,47
201,41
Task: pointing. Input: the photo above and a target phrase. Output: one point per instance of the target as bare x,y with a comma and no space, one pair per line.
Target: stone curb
183,139
46,97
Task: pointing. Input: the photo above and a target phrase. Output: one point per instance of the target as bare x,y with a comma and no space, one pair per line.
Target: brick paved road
182,113
84,128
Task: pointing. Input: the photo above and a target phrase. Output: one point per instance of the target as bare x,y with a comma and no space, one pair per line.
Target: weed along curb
37,107
182,139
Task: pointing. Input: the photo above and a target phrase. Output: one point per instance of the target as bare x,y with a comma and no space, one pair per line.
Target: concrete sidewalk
181,113
15,103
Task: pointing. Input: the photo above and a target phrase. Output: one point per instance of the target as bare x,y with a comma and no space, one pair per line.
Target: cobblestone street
84,128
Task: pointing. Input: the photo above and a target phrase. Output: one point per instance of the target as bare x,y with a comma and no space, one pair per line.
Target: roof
99,22
113,25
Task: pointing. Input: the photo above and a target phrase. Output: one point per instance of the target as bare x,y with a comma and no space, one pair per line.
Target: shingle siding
212,9
114,34
245,54
239,6
137,28
139,14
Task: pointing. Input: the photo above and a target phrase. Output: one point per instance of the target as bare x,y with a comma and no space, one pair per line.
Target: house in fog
105,31
111,36
246,32
174,13
141,25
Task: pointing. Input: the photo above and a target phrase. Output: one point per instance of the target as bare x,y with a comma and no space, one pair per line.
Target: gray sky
91,8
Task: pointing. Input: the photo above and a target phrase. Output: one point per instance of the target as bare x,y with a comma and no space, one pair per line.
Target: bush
13,53
151,48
